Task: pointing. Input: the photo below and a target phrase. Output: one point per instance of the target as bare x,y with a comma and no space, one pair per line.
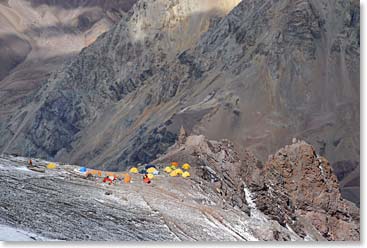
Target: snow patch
255,213
8,233
322,170
308,238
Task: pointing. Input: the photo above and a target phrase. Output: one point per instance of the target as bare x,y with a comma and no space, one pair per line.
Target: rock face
298,188
295,187
258,74
38,36
125,59
230,196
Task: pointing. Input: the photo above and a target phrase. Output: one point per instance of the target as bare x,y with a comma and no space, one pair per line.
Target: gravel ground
61,205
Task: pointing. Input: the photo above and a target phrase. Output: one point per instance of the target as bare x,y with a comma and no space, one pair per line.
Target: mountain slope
228,197
37,36
266,72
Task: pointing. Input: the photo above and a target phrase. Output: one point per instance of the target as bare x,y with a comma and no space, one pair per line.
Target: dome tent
150,176
186,166
173,173
179,171
51,166
185,174
151,170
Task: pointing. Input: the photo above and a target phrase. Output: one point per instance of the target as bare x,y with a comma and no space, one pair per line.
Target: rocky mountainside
258,74
230,195
37,36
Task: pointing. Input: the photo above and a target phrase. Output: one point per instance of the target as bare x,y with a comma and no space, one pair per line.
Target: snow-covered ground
8,233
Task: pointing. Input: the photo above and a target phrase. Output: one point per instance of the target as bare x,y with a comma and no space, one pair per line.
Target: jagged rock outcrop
295,187
260,75
298,188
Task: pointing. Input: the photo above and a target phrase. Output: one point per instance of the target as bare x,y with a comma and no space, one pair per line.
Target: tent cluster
148,172
173,170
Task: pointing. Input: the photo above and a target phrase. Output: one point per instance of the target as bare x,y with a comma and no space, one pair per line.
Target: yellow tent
150,176
151,170
186,167
134,170
168,169
51,166
185,174
173,173
178,171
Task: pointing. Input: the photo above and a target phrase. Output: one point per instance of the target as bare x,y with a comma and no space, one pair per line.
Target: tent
134,170
83,169
151,170
185,174
168,169
150,176
150,166
175,164
107,180
179,171
173,173
51,166
146,179
127,178
186,166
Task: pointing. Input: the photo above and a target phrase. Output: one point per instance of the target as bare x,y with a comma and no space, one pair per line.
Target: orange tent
127,178
175,164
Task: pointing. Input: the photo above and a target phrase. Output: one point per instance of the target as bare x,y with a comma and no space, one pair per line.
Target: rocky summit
230,196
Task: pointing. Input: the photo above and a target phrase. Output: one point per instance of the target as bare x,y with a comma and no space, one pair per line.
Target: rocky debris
295,187
61,206
253,72
36,168
230,195
298,188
